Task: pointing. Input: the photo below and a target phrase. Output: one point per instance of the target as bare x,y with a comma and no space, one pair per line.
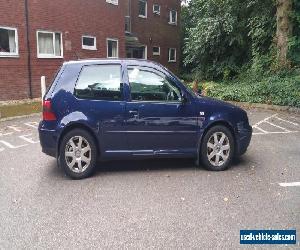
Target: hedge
277,90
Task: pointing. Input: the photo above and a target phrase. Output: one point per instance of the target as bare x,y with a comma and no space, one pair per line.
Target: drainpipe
129,11
28,50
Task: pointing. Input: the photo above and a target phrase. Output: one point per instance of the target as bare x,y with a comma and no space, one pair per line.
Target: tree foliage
294,42
223,38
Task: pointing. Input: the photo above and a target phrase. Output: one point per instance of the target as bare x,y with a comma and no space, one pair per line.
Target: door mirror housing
184,98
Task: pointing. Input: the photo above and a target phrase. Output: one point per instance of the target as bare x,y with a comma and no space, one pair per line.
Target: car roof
108,60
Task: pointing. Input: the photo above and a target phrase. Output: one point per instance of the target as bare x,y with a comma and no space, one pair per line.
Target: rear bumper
48,140
243,140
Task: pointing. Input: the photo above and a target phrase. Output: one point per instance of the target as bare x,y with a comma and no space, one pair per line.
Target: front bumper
243,140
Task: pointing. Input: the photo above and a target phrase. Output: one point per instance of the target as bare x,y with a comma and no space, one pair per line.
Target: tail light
48,114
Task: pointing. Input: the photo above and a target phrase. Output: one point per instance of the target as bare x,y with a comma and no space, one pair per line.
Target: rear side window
99,82
53,82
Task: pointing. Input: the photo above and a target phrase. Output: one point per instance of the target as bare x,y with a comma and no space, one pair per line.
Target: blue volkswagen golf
135,109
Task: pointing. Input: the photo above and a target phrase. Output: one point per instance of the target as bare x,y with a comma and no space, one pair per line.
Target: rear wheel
217,148
78,154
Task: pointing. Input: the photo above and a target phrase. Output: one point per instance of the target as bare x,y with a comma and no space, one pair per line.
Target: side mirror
184,98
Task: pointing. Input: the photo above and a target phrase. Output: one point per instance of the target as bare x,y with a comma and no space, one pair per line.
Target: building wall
13,70
156,31
73,18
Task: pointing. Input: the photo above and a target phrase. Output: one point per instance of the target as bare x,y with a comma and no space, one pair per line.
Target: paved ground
149,204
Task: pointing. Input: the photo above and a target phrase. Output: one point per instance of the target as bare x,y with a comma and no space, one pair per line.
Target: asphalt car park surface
153,203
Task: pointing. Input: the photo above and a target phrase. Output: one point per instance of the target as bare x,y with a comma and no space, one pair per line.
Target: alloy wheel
78,154
218,149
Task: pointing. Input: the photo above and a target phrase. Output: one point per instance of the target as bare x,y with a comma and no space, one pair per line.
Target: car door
157,121
99,91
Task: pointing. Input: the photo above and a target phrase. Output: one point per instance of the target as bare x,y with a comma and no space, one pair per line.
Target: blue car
99,110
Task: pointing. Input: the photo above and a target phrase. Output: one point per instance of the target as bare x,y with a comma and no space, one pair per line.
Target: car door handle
134,113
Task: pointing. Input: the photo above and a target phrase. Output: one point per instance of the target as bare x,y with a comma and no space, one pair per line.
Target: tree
294,41
224,35
216,43
222,38
284,30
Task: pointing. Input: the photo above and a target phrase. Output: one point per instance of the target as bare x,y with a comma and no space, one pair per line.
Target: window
173,17
151,85
89,42
172,55
156,51
49,44
99,82
143,8
8,42
137,52
156,9
112,48
114,2
127,24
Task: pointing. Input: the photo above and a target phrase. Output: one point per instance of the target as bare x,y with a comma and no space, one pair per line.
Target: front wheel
217,148
78,154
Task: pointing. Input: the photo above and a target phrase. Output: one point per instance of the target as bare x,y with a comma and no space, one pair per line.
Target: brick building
37,36
152,31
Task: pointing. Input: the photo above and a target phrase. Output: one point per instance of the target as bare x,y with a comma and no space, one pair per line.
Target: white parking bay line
263,131
258,123
267,121
289,184
277,132
32,124
294,123
274,125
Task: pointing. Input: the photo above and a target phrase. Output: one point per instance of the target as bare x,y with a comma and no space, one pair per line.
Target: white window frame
156,53
114,2
9,54
170,17
49,56
169,60
154,11
129,18
146,9
89,47
114,40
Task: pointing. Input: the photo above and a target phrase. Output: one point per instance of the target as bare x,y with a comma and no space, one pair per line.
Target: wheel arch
216,123
73,126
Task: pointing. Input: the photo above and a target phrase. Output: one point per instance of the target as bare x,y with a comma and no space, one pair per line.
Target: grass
20,109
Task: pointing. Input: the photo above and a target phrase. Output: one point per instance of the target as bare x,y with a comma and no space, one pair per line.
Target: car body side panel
161,127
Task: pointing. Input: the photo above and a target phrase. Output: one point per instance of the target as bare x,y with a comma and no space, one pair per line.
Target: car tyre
78,154
217,148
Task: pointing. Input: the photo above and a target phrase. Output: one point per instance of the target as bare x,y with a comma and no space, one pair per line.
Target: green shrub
277,89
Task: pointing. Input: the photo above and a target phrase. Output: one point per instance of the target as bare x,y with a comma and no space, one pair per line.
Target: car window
99,82
150,85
